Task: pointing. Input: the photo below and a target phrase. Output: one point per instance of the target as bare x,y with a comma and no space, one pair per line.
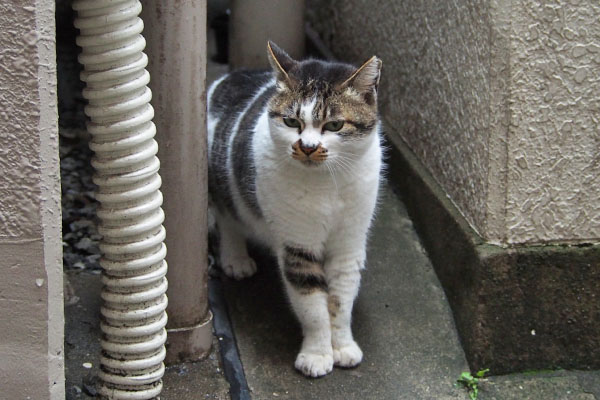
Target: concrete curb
516,309
230,357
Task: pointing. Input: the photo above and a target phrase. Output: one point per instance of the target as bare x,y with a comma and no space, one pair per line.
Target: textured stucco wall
434,88
496,99
31,313
553,183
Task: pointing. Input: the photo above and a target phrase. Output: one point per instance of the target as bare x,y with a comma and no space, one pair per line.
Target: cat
295,160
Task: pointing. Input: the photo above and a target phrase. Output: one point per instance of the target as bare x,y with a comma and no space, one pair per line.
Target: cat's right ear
280,62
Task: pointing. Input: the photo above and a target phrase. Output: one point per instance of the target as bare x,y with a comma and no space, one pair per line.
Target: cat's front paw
314,365
238,267
348,355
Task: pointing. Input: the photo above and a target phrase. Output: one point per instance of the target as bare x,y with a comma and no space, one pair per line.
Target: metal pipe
133,313
176,31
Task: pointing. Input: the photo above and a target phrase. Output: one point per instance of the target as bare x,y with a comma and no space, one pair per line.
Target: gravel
80,236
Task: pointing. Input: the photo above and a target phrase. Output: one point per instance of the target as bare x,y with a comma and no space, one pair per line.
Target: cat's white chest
298,207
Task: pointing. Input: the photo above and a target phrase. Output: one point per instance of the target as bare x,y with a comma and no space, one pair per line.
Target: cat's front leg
306,286
343,275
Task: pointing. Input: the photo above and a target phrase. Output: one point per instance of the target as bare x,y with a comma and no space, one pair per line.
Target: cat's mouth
311,163
309,156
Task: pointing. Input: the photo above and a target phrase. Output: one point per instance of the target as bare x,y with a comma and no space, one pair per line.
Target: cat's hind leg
233,254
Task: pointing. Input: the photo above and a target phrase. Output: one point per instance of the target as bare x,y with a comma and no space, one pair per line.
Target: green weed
471,383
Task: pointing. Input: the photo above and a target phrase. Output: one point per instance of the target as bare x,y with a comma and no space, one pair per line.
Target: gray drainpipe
176,33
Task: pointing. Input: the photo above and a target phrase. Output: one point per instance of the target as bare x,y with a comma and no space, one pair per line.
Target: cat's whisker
345,158
348,156
332,173
343,164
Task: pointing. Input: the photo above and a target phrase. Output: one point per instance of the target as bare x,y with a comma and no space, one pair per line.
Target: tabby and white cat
294,161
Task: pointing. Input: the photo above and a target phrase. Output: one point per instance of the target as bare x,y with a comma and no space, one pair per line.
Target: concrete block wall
31,293
498,99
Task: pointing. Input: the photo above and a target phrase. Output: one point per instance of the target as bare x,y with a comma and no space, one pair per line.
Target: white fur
241,207
323,211
311,134
211,120
234,258
326,209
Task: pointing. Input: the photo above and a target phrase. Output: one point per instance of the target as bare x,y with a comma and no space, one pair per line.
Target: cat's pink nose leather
308,150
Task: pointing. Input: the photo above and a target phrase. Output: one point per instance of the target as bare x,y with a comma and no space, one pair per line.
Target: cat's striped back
235,104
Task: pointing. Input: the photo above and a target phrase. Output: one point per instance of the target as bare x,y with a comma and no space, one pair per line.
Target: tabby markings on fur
295,162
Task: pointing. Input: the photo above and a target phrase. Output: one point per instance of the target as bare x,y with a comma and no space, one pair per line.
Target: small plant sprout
471,383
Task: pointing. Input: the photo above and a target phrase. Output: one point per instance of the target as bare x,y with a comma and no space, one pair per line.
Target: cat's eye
291,122
333,126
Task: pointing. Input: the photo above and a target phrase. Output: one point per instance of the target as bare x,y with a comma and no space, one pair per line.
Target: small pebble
79,265
76,389
71,300
84,244
81,224
87,365
90,389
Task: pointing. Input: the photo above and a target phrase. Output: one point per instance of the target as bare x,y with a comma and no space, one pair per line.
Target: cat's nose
307,149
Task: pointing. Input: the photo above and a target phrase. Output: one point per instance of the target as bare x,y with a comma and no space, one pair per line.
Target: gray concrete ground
189,381
401,321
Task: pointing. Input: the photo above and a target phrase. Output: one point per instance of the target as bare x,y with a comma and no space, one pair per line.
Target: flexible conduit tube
133,313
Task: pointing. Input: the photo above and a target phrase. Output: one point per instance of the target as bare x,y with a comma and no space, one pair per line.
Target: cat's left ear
366,78
280,62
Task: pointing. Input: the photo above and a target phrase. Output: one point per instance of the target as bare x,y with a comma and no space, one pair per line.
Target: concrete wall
497,99
253,22
553,183
31,303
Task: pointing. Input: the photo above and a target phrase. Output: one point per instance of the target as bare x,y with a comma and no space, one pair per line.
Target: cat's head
323,112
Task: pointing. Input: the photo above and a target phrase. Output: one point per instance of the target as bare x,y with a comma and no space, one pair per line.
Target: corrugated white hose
133,313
